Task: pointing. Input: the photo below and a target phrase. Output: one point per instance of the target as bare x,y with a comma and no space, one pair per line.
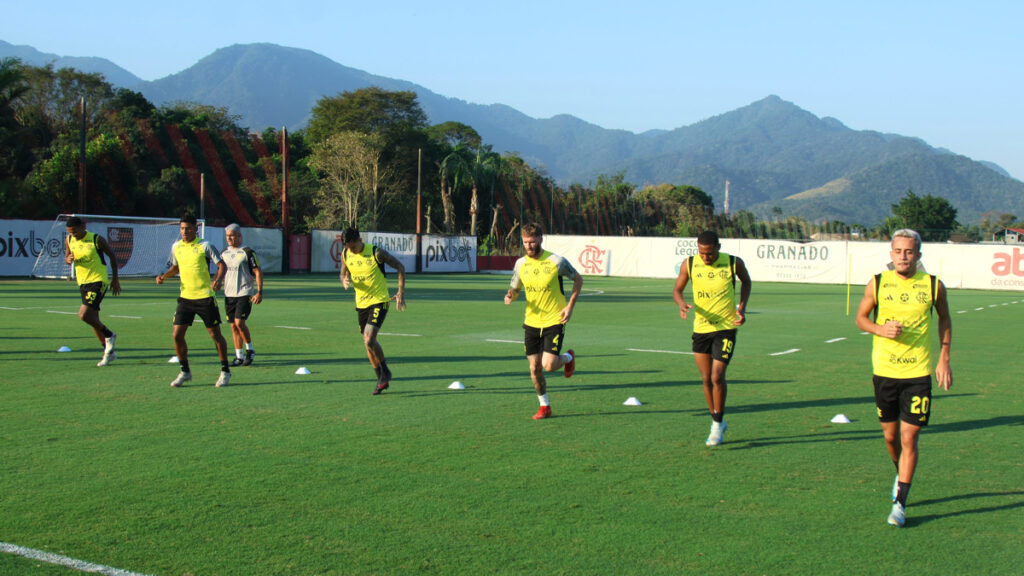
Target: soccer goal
142,245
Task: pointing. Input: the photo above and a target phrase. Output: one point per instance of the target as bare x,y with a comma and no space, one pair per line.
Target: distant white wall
440,253
21,241
978,266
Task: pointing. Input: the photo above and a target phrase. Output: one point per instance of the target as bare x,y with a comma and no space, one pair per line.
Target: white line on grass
658,351
293,327
982,308
993,305
130,317
60,312
592,293
505,341
397,334
9,308
834,340
790,351
66,561
961,311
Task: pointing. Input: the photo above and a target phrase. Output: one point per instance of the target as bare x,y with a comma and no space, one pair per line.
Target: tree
455,168
14,159
483,169
696,208
452,133
396,117
355,184
932,217
373,110
994,221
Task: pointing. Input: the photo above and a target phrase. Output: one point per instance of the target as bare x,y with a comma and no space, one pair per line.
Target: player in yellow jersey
191,257
362,268
540,273
89,253
903,299
718,315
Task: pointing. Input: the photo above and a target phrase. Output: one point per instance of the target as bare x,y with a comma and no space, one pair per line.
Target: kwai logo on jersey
592,260
122,242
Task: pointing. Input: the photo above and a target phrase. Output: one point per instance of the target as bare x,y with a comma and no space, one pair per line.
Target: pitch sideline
65,561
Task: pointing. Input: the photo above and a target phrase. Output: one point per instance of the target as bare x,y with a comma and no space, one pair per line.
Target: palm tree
455,168
485,167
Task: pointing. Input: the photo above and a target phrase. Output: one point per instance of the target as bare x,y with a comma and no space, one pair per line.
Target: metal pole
551,226
202,196
419,208
285,218
81,162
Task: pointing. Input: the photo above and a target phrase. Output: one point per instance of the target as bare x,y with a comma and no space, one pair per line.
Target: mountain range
774,154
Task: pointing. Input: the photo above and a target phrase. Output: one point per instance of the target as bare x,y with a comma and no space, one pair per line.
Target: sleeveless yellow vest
368,279
714,294
90,265
909,302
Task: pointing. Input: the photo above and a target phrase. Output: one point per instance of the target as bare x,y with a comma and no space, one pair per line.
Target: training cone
303,370
63,349
174,360
840,419
631,401
456,386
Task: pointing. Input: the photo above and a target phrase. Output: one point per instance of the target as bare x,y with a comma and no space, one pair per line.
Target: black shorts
237,307
548,339
373,315
206,308
721,345
906,399
92,294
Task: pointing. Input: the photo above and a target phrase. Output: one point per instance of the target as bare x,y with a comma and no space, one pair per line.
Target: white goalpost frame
141,244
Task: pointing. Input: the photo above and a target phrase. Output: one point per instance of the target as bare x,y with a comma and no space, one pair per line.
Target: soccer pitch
282,473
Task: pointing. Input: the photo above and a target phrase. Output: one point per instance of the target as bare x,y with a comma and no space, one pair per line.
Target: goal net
142,245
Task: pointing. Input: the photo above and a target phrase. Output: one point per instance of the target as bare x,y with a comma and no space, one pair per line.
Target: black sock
902,491
718,416
106,332
225,367
184,366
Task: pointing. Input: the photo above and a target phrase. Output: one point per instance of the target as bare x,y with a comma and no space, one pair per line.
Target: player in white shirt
243,287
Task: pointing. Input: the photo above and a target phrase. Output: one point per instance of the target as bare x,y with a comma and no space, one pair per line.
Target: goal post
142,245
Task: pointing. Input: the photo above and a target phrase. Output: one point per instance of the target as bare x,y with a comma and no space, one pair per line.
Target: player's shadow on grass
917,519
823,436
971,425
524,377
796,404
824,402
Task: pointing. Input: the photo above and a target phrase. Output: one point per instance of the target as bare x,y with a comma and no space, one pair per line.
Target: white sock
543,400
238,353
248,346
567,357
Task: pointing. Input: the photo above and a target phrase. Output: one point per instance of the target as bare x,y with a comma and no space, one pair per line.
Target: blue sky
947,72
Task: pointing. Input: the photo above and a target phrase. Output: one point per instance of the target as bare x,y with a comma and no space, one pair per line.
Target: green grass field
309,474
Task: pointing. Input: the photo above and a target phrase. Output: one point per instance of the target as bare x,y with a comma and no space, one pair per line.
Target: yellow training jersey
540,278
193,262
90,265
714,294
909,302
367,277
